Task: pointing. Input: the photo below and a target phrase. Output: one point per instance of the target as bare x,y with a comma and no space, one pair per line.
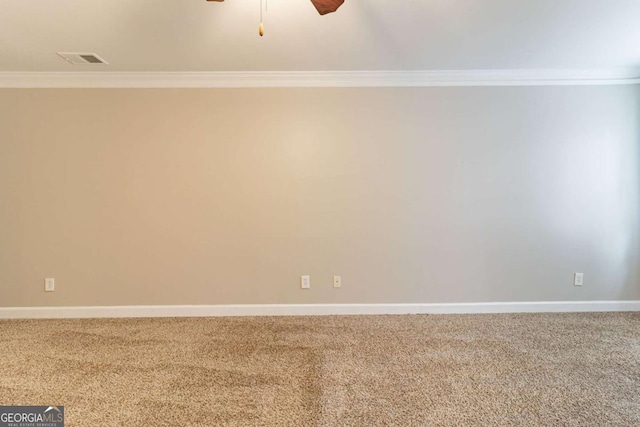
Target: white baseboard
313,309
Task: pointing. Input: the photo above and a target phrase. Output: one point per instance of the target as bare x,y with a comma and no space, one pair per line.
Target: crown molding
273,79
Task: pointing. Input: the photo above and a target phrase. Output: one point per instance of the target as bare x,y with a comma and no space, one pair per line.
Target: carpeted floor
524,369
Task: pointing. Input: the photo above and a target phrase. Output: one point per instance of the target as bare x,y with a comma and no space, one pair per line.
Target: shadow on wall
632,158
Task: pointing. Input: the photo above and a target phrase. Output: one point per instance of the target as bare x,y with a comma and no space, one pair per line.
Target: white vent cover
76,58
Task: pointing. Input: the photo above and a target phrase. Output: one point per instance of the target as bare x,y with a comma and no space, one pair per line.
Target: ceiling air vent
82,58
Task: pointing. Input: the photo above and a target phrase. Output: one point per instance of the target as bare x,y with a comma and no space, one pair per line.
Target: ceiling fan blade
323,6
327,6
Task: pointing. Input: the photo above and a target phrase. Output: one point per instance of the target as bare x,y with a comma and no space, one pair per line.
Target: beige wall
228,196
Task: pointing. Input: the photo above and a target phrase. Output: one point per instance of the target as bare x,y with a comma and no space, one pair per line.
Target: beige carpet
533,369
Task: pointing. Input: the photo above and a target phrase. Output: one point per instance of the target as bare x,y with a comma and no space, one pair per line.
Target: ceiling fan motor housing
327,6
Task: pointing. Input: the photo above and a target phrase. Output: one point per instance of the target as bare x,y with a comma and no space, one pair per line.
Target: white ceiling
193,35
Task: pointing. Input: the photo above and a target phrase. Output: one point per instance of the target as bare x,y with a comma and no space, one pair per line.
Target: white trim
313,309
265,79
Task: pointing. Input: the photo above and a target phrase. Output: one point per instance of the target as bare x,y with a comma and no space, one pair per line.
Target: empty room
319,213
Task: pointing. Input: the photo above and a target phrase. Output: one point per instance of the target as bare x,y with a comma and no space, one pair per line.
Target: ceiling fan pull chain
261,27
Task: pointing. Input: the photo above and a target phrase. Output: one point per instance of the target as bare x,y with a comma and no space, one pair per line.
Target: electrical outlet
337,281
49,285
578,279
305,282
